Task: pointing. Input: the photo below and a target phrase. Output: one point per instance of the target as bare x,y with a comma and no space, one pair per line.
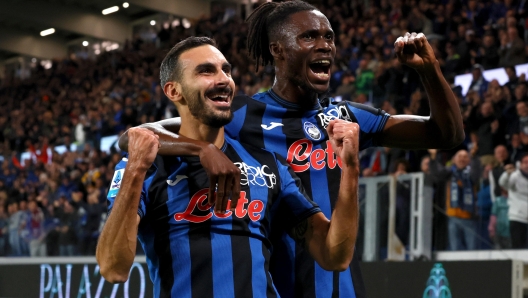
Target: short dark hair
265,20
170,69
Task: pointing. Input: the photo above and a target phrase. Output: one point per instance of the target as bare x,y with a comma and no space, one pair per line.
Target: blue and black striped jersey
192,251
300,136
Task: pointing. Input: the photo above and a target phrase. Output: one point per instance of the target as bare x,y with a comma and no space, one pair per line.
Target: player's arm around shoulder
331,242
116,248
218,167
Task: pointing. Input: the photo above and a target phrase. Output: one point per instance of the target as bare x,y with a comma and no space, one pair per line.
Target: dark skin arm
218,167
444,128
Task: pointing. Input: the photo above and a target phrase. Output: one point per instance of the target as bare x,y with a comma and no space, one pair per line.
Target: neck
198,131
292,92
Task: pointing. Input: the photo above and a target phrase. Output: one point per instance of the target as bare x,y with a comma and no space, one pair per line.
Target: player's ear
276,50
173,90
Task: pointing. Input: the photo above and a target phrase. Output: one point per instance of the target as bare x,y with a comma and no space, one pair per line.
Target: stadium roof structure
21,22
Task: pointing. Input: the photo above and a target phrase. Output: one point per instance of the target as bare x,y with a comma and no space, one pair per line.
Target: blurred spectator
515,181
484,122
403,203
516,148
373,161
91,216
479,83
484,205
67,237
461,181
513,80
512,50
364,78
4,227
501,158
452,62
499,228
489,52
35,230
16,220
347,89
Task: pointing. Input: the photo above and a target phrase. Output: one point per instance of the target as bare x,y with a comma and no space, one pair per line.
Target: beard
199,108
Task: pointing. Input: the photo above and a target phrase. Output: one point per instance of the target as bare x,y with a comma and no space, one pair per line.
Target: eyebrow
314,31
209,65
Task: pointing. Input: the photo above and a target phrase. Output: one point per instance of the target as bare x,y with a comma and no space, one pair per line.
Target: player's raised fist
344,137
414,50
143,146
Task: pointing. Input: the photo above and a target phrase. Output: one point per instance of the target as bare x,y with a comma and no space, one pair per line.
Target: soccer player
298,40
193,250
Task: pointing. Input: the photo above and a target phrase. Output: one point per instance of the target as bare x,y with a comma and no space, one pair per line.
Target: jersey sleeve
239,108
371,122
115,186
293,200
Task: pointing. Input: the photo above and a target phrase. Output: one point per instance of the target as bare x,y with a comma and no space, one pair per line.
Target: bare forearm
117,245
446,118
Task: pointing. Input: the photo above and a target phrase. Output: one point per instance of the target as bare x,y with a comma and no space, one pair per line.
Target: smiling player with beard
193,250
288,119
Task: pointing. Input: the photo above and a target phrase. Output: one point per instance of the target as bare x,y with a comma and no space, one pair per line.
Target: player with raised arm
200,246
298,40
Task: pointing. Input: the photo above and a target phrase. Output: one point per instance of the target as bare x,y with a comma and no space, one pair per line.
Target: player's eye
307,36
329,36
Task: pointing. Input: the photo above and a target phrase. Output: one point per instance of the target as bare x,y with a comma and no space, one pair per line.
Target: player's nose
323,45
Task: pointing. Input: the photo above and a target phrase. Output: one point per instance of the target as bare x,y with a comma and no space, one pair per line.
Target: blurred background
75,74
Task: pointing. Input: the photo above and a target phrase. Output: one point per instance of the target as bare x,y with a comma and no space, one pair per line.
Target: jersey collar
289,104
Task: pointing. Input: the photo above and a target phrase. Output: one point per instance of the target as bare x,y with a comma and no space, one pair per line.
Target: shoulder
253,151
361,108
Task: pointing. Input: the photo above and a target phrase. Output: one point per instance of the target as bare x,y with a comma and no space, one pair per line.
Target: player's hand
344,137
143,147
224,178
415,51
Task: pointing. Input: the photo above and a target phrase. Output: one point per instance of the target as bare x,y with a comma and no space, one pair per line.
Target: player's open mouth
222,98
321,68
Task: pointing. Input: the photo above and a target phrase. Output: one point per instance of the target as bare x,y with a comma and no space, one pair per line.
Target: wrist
205,148
137,166
429,69
351,167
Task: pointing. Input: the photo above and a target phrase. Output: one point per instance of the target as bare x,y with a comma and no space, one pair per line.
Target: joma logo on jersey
339,112
199,210
261,176
301,156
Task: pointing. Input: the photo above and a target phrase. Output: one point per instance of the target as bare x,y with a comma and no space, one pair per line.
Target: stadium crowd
55,204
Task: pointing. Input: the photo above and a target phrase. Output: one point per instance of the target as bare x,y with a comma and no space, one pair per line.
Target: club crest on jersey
199,210
312,131
116,183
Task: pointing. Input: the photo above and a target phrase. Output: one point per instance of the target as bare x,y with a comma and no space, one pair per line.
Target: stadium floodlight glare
47,32
110,10
152,23
85,43
125,5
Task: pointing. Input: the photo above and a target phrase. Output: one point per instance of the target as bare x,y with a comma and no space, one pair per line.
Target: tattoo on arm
299,232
